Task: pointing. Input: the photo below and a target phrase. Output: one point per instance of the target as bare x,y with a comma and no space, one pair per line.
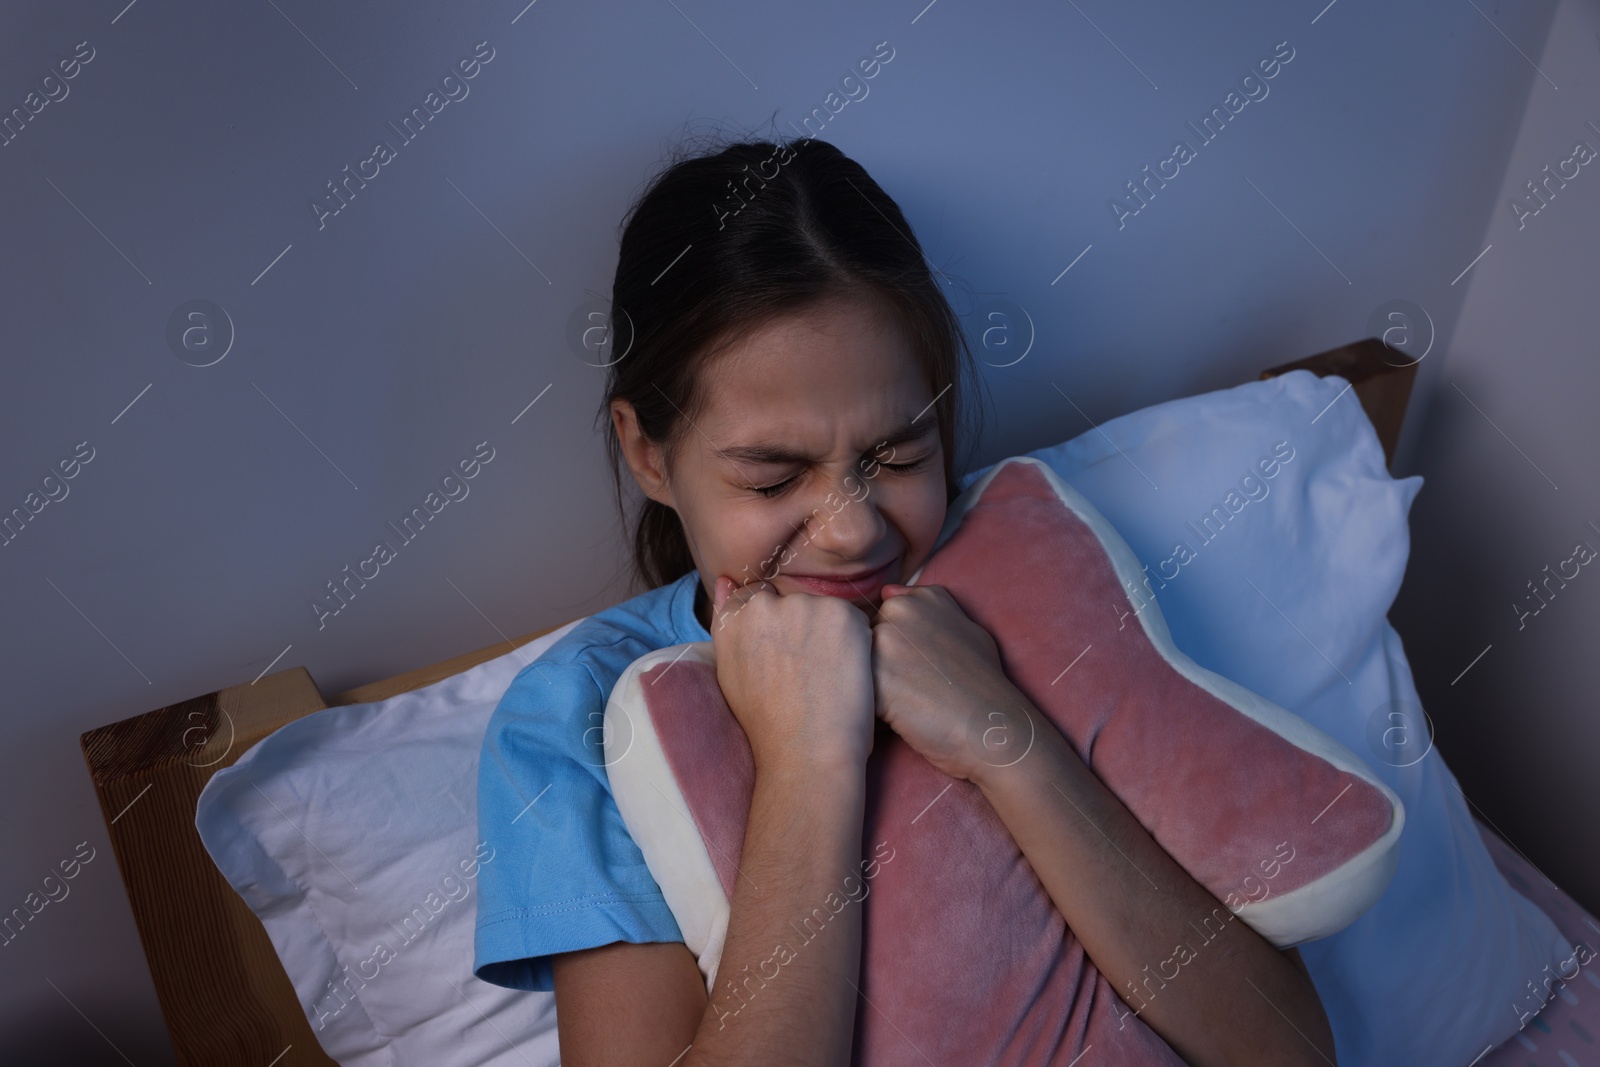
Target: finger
746,590
719,594
929,592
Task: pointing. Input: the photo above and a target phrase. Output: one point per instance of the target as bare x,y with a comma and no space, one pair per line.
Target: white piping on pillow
657,815
1318,908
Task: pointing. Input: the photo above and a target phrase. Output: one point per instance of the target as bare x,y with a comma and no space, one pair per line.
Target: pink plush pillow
1277,820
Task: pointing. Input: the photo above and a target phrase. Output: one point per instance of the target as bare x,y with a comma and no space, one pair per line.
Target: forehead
825,378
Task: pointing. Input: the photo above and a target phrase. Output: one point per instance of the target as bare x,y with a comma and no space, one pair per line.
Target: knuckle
834,607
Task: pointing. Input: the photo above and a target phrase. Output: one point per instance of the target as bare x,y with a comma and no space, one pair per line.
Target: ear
644,457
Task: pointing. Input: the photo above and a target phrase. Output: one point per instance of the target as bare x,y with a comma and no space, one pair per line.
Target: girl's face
818,457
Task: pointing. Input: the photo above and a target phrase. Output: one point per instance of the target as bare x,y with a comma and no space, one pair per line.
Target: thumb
719,594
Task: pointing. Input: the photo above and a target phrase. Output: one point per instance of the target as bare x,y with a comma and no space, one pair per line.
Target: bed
223,990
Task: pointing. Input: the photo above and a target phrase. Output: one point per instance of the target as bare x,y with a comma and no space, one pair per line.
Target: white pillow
382,796
1289,599
352,834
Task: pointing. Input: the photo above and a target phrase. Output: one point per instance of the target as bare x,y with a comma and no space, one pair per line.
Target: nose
848,523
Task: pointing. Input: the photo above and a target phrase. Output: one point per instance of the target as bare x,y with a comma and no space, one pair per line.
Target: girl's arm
1230,1001
779,999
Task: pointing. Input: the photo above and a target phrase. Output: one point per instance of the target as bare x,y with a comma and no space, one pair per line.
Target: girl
786,393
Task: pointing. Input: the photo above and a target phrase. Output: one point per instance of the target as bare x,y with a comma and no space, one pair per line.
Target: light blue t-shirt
567,875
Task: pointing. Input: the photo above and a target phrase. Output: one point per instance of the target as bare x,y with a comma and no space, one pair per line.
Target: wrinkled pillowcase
352,834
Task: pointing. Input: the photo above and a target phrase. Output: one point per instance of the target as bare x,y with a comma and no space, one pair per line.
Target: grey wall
373,349
1506,438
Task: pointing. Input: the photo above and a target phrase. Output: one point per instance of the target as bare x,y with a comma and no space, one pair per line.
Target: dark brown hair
721,242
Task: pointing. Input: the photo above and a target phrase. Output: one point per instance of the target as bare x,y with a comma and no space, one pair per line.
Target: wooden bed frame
223,992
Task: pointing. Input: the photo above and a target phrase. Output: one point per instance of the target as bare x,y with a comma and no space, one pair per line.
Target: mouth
861,586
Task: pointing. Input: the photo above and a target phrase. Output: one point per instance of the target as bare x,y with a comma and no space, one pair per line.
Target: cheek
919,513
932,513
748,543
728,535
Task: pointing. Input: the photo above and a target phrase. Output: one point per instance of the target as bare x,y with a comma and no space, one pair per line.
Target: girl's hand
940,684
796,670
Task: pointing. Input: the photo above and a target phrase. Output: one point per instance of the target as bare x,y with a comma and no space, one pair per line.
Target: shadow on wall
1487,677
51,1035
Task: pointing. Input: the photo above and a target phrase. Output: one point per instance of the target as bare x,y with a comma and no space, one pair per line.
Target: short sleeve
565,873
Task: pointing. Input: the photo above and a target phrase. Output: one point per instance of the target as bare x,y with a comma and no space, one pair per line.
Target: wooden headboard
223,992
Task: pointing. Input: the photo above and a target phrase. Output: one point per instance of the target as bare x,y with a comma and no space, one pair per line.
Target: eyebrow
914,429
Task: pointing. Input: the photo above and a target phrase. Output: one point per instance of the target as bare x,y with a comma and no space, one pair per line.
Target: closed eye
779,488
